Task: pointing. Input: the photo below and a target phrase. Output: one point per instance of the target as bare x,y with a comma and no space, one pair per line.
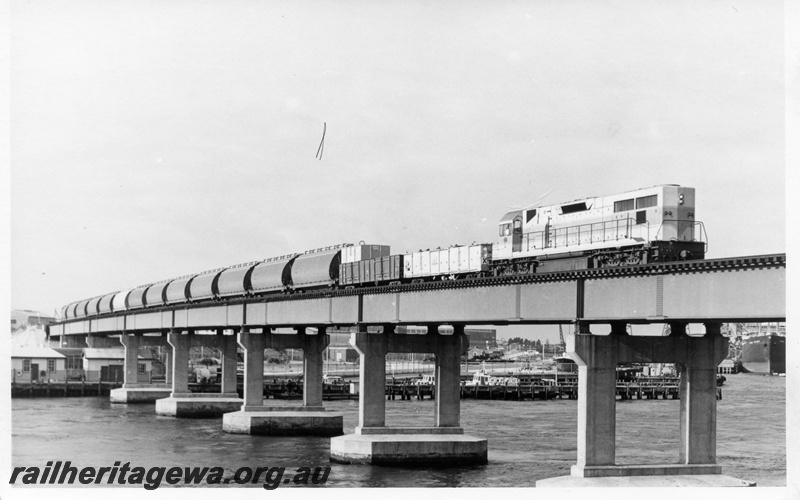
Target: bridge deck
721,290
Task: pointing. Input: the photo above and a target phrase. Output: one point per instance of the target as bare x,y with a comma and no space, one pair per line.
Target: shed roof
18,351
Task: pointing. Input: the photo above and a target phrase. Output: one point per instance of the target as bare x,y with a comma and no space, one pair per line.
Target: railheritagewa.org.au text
61,473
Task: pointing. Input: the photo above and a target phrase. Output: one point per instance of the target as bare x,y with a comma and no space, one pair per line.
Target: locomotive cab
510,236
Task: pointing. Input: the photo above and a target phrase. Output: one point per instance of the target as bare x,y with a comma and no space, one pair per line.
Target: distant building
23,317
340,350
482,338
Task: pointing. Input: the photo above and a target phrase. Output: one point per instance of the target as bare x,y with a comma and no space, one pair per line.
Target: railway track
659,268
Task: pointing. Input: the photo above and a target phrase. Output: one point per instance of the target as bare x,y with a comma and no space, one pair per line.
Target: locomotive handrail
553,234
694,231
703,228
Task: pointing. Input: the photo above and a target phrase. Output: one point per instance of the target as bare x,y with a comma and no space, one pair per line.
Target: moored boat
764,350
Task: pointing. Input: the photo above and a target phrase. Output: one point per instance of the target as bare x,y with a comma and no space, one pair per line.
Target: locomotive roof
613,194
510,215
590,198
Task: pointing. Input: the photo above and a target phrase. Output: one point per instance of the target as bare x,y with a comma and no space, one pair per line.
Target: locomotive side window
505,229
641,217
624,205
575,207
646,201
530,215
517,226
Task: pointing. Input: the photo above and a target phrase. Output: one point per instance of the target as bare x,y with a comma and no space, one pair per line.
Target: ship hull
764,354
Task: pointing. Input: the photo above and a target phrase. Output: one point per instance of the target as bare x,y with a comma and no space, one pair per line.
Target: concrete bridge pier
442,444
597,357
181,402
308,419
133,391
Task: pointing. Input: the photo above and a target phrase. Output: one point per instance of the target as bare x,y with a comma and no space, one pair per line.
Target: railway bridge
711,292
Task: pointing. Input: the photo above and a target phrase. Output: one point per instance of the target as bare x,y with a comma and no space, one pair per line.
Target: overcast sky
155,139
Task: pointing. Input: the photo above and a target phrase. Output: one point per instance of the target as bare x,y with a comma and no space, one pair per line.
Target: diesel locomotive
655,224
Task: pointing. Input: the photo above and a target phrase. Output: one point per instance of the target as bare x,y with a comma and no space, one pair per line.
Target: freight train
655,224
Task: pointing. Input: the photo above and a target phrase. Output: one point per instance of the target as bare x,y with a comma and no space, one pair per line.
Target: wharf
74,388
646,388
404,389
531,392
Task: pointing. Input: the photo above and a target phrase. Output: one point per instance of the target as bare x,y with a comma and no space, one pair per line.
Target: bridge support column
133,391
442,444
597,357
185,404
372,349
698,395
180,361
168,366
447,406
131,343
229,358
313,345
255,417
253,345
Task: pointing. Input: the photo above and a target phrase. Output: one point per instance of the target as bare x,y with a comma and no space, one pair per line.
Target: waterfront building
36,364
107,364
73,361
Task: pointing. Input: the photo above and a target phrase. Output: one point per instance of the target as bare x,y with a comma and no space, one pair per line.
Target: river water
528,440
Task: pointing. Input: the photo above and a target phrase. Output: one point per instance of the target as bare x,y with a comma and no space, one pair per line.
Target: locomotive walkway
741,289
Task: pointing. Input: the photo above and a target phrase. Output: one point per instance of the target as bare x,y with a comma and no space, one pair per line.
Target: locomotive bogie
561,265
